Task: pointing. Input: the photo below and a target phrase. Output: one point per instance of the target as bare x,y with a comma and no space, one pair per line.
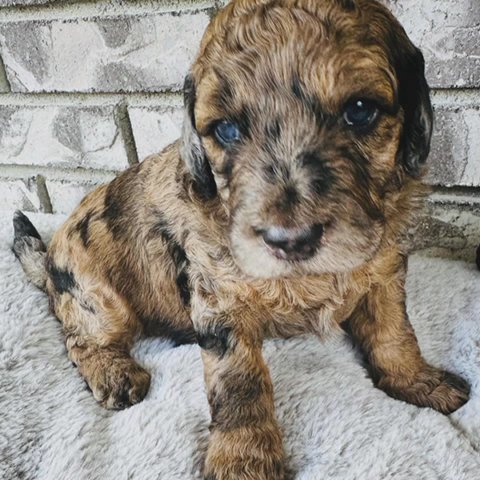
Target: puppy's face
303,119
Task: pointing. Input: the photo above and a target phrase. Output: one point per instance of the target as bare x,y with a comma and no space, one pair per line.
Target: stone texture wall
88,88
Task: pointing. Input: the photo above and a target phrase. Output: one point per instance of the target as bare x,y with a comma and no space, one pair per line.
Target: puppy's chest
310,304
287,306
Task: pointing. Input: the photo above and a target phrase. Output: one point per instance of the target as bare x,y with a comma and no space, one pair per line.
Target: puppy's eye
227,133
360,113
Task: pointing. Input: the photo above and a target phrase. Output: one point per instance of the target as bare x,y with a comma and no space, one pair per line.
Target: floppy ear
414,96
191,149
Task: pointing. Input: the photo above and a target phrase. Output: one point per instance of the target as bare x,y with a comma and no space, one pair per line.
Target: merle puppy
278,212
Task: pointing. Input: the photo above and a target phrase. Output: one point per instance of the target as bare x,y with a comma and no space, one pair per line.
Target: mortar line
173,97
3,77
81,175
43,194
456,97
122,119
456,190
466,196
135,99
100,8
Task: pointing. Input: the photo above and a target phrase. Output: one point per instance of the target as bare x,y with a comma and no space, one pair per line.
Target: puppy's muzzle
292,243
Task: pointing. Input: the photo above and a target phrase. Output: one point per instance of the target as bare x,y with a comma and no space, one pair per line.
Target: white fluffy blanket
335,423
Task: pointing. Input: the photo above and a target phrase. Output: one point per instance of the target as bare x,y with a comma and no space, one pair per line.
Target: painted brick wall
88,88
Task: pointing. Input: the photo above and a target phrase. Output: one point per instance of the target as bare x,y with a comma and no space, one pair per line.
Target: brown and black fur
173,246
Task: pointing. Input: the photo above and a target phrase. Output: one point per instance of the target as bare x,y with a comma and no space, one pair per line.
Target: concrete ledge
449,226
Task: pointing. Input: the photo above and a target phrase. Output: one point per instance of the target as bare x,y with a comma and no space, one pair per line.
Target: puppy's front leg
381,326
245,441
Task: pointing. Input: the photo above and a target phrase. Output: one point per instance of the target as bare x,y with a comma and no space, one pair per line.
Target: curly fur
171,246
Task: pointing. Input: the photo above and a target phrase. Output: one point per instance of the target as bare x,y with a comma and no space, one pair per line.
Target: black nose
293,243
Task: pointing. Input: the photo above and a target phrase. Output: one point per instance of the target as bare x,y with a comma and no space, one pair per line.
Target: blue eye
227,133
360,113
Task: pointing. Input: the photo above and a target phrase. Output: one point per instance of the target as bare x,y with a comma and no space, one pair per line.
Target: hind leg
100,328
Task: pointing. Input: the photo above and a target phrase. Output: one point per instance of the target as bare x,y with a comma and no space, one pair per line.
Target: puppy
279,212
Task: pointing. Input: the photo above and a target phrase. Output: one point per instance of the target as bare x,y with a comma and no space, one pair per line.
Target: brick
23,194
63,136
118,51
115,54
455,156
448,33
66,195
154,128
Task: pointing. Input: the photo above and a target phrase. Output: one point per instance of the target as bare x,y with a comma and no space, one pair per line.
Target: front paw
243,455
117,382
432,387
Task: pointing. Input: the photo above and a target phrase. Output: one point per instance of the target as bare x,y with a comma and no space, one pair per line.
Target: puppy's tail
29,248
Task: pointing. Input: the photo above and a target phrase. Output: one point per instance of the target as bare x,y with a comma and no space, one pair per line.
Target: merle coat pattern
292,227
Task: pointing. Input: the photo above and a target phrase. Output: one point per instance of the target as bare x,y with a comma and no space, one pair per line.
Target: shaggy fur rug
335,423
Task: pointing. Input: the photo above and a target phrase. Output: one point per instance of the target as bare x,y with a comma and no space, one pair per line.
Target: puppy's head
304,116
